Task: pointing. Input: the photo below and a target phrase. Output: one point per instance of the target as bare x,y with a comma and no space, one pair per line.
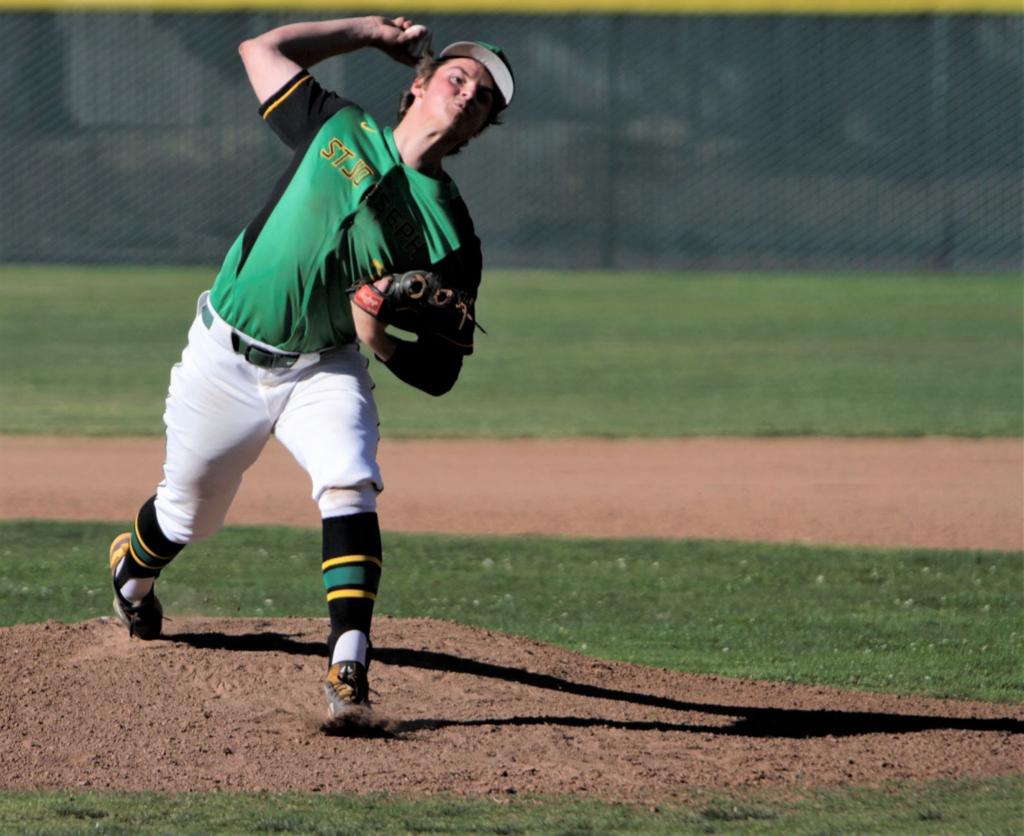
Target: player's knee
340,502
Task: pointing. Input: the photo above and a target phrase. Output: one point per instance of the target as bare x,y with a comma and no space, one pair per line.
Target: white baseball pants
221,410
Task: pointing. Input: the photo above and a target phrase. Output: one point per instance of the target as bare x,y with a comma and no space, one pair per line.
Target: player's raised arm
274,57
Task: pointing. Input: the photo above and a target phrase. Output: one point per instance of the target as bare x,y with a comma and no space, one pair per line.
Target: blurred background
645,139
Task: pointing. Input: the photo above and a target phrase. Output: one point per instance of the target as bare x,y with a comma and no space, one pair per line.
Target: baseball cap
491,57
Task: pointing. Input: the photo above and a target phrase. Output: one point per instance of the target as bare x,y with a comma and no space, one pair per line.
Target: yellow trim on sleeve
285,95
351,593
546,7
352,558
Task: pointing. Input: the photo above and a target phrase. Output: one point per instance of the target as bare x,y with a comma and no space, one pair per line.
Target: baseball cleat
347,691
145,619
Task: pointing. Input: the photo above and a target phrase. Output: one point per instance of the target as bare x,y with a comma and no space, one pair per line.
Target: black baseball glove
417,301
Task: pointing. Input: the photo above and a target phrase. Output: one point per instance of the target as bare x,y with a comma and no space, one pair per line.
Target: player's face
460,94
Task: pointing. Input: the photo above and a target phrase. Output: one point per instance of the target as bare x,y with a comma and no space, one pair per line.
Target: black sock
150,550
351,571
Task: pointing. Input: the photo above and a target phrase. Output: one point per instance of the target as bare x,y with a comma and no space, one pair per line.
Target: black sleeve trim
429,366
299,109
289,87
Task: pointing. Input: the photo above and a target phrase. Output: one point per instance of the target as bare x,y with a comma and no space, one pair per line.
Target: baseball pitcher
363,230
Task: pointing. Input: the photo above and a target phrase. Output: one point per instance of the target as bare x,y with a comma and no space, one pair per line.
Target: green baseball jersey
346,210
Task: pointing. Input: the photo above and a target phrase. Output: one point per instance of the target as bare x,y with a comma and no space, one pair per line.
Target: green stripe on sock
147,557
366,575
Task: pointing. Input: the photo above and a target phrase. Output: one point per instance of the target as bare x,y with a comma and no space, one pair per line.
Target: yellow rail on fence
662,7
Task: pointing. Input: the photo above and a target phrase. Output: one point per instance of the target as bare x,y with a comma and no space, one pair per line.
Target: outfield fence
650,139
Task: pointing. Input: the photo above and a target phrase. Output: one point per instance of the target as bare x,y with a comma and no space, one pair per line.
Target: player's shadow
747,721
265,642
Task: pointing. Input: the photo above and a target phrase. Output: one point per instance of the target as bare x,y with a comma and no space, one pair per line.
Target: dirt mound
235,705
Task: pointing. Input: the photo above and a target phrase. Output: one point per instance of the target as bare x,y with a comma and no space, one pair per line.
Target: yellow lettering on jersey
337,155
333,147
359,173
338,161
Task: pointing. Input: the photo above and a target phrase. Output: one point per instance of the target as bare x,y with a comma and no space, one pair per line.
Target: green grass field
989,807
88,351
941,623
932,622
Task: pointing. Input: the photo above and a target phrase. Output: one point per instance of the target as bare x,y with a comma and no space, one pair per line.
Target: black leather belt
253,353
261,357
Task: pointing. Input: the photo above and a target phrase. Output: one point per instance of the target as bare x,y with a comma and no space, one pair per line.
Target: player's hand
400,38
370,330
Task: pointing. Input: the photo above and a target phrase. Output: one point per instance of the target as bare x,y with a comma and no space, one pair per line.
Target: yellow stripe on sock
135,557
352,558
351,593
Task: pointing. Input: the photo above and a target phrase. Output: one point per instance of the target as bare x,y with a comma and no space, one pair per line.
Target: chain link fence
748,142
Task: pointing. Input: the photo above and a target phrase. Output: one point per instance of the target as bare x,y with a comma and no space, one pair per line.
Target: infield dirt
234,704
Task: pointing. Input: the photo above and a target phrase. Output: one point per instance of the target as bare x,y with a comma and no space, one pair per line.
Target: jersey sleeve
299,108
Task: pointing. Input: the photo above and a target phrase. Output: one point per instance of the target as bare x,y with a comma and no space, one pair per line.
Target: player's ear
418,87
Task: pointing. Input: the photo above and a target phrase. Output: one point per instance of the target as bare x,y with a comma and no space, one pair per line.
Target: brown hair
425,70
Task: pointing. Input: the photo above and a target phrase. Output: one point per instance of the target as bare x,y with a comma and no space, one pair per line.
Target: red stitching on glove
369,299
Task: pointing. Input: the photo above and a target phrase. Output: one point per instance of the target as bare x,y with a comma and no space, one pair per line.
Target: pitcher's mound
236,704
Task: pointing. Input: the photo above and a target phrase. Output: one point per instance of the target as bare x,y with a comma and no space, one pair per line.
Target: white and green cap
491,57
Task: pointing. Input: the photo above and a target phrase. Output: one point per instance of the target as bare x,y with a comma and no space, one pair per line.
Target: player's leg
218,419
217,424
136,559
330,426
351,569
